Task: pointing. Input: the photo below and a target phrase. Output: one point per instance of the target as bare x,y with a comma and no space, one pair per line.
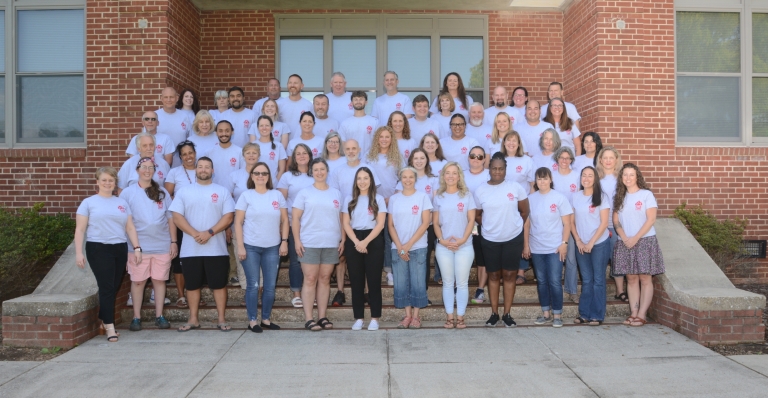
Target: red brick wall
183,45
50,331
580,61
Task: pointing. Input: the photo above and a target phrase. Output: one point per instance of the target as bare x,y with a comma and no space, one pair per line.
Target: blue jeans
266,260
549,271
455,267
295,275
410,280
571,270
592,267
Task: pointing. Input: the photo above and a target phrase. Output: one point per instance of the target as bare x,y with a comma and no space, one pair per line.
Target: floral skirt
643,259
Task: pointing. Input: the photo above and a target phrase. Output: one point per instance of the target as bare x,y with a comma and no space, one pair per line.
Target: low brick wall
50,331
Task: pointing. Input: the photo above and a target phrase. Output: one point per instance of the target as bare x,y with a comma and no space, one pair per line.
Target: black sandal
623,297
312,326
581,321
325,323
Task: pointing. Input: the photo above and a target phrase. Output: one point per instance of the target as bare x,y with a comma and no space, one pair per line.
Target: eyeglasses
478,157
458,124
147,168
565,158
149,119
260,173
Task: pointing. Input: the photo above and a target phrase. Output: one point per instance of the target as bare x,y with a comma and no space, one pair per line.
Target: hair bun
498,155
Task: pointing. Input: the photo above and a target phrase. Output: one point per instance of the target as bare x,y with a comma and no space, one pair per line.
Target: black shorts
502,255
197,269
479,260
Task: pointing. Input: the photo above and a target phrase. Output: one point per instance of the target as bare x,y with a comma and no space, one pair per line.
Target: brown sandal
638,320
449,323
460,323
629,320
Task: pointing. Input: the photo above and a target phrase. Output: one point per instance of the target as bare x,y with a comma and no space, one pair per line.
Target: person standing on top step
501,104
531,128
164,145
149,204
558,116
273,93
292,107
339,106
453,85
188,103
203,211
392,100
519,101
171,121
221,100
555,90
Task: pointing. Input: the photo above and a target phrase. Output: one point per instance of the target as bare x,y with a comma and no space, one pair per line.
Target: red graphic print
510,196
407,153
272,155
573,187
554,166
314,152
350,106
415,209
398,105
553,208
463,150
246,124
335,203
276,133
159,148
638,205
183,126
159,174
159,205
121,208
232,162
460,206
591,209
519,169
428,189
215,198
369,129
275,205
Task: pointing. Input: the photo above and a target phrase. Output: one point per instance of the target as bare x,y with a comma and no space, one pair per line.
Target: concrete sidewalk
607,361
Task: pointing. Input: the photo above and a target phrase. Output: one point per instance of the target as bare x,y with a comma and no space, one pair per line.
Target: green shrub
721,239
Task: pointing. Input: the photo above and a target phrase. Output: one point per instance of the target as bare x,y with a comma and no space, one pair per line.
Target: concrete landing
580,361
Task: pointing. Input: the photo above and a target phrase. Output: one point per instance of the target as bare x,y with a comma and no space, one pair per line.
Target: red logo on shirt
183,125
160,174
398,105
554,166
462,107
369,129
553,208
336,203
519,169
428,188
431,132
463,150
512,119
591,209
232,162
350,106
461,207
121,208
510,196
487,136
159,205
370,211
573,187
314,152
407,153
415,209
568,132
159,149
246,124
272,155
638,205
276,133
275,205
215,198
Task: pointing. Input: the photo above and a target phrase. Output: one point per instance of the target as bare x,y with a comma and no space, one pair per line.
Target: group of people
219,196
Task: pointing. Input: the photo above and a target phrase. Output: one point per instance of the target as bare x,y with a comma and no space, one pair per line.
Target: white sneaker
130,300
374,325
152,297
390,279
358,325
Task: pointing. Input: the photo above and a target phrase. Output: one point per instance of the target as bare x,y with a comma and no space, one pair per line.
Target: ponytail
272,124
154,192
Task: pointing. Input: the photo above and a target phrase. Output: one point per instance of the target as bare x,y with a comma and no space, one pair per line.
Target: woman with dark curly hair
188,103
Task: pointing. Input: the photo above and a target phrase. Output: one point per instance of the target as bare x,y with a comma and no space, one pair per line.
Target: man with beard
292,107
273,93
420,123
531,128
324,125
359,127
203,211
339,100
164,146
392,100
477,128
500,105
171,122
239,116
226,156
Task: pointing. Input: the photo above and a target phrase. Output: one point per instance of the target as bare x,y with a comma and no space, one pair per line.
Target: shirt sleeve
283,183
426,203
229,205
298,203
478,203
564,206
522,193
84,209
242,202
650,201
382,204
177,206
471,202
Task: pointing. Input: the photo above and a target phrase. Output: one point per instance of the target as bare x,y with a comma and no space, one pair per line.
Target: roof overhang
477,5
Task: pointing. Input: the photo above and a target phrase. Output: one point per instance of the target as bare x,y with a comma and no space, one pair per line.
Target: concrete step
283,311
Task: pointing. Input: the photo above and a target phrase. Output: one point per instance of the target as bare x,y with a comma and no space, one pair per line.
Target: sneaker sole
510,326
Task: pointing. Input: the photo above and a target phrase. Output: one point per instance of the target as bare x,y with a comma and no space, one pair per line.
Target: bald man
171,121
500,101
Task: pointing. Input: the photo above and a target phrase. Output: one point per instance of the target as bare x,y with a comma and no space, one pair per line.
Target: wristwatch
565,242
210,231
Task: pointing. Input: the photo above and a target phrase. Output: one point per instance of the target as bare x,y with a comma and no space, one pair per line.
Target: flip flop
224,327
182,303
187,327
520,280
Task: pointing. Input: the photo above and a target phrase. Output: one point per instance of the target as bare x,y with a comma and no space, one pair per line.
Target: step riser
433,313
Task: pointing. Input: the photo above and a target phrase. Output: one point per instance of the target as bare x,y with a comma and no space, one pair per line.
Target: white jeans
454,267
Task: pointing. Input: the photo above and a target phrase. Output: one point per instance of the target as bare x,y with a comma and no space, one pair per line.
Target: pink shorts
156,266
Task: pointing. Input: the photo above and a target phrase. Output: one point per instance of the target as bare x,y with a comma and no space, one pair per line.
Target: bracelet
284,240
176,243
137,248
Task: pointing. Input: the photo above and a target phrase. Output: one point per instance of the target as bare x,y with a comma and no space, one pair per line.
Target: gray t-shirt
293,184
406,216
106,219
362,218
320,222
225,161
150,219
501,217
261,227
203,206
453,210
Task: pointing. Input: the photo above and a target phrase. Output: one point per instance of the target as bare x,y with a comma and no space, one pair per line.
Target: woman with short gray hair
221,101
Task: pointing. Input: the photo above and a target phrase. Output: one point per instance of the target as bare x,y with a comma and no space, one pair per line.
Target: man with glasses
145,146
171,121
164,146
500,104
555,90
391,101
456,147
339,100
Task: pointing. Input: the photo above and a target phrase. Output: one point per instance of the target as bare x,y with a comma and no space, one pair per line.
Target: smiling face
319,172
338,85
204,170
307,124
511,143
106,183
363,181
564,161
169,97
452,82
629,178
358,103
295,86
146,171
519,98
608,161
224,132
398,123
532,112
408,179
188,99
146,147
351,150
333,145
419,160
445,104
265,128
390,82
430,145
497,170
222,103
451,175
385,140
543,183
421,109
188,156
587,178
548,142
502,124
557,108
301,156
554,91
204,126
236,99
258,175
270,109
589,145
251,156
321,107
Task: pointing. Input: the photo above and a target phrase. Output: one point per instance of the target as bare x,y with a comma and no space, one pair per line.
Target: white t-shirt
581,162
421,128
632,215
567,185
492,147
475,180
569,108
566,137
501,218
480,133
608,186
460,108
520,170
384,105
163,146
458,151
386,174
540,160
406,147
320,222
225,161
360,129
203,144
106,219
425,184
406,216
279,129
340,107
443,125
238,183
546,221
128,175
260,104
343,177
261,226
362,218
334,165
326,126
175,125
215,114
315,145
272,157
290,112
150,219
181,177
203,206
491,112
453,211
437,166
190,114
530,136
242,122
293,184
520,118
588,217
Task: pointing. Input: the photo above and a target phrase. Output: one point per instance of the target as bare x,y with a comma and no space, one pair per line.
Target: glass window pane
356,59
477,96
51,41
760,43
760,107
465,57
2,109
51,109
304,57
409,58
708,108
2,42
708,42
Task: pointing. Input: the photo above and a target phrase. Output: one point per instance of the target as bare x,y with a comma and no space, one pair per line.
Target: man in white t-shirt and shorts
203,211
339,99
164,146
391,101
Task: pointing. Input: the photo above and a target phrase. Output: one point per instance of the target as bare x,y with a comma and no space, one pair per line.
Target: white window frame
745,8
329,26
12,7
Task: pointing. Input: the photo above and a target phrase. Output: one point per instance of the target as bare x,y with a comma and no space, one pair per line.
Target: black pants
364,267
108,265
431,244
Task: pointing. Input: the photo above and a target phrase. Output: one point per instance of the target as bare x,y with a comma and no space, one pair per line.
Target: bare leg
179,278
220,297
619,284
646,295
159,287
482,277
408,312
308,289
137,293
493,290
633,291
509,289
323,291
193,299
